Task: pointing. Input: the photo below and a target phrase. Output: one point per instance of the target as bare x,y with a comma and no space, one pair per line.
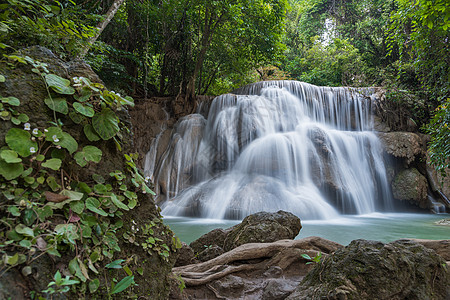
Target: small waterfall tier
274,145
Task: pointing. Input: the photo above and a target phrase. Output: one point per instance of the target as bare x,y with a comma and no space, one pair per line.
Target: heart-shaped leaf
57,104
20,141
84,110
59,84
106,124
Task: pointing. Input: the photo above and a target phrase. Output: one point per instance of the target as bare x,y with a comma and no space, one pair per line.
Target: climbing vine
46,211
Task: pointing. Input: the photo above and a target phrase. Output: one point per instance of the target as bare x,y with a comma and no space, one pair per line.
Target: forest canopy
170,47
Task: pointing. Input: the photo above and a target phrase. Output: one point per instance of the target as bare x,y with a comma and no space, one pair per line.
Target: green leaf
2,78
57,104
51,181
90,133
89,153
75,269
59,84
118,203
68,142
122,285
93,285
77,207
12,260
52,133
106,123
20,141
44,213
53,163
92,153
40,157
11,101
15,121
25,244
74,196
14,210
94,205
22,229
10,171
23,118
84,110
117,264
76,118
10,156
79,158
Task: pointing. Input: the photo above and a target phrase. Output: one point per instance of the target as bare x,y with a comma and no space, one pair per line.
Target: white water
275,145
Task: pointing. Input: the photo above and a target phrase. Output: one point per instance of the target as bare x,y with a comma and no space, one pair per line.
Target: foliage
335,64
45,210
312,260
55,24
439,147
420,31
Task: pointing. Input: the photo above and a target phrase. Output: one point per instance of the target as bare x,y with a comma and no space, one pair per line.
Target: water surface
384,227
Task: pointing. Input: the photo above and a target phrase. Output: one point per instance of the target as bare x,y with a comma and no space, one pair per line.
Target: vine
46,211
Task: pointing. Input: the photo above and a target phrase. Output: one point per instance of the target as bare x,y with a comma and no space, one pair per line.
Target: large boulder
374,270
263,227
410,185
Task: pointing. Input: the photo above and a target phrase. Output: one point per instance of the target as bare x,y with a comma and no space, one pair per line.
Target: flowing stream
275,145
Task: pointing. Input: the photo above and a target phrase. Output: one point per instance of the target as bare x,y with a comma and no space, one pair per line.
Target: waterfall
275,145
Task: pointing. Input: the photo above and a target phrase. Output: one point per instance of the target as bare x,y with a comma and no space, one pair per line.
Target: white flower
32,150
55,138
33,138
118,94
35,131
58,147
147,179
27,126
46,130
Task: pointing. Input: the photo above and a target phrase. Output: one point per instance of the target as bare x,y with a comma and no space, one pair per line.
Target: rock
443,222
442,247
263,227
410,185
210,252
186,256
277,289
214,237
373,270
438,183
406,145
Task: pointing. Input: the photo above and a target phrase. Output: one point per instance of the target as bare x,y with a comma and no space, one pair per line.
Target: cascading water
275,145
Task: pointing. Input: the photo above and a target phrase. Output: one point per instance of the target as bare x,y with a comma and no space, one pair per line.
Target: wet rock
410,185
263,227
373,270
186,256
405,145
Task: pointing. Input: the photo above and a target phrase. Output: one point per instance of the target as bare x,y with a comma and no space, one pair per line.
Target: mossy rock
374,270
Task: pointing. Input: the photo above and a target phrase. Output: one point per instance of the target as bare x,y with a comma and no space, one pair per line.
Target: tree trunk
102,25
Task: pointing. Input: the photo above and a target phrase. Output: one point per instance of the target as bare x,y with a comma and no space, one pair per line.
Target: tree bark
102,25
